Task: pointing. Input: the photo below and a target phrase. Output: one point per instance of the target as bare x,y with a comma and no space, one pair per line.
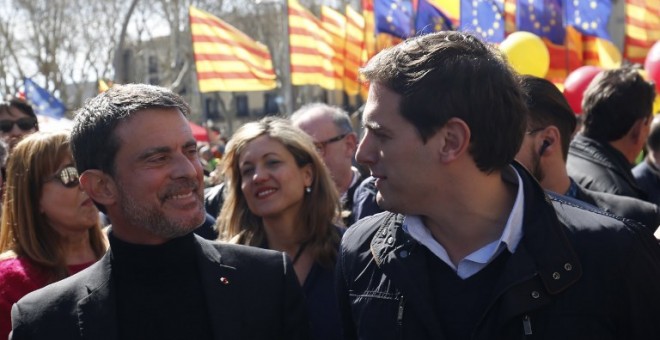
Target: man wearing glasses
17,119
332,133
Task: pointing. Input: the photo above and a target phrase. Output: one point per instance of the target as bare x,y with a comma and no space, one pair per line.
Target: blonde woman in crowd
280,196
50,228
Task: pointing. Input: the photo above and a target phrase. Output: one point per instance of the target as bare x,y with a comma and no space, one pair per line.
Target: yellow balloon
609,55
526,53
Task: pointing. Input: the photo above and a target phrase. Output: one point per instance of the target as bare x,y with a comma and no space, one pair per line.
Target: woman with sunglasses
50,228
280,196
17,119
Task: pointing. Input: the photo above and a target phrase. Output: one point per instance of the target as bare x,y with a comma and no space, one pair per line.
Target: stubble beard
153,220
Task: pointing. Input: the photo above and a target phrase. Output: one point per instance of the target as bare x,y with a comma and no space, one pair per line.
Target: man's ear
99,187
635,132
453,139
351,144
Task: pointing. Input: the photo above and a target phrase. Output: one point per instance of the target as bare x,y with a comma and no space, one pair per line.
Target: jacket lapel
96,311
221,285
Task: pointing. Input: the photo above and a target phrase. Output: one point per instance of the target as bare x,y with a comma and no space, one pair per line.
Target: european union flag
431,19
589,16
394,17
543,18
42,101
484,18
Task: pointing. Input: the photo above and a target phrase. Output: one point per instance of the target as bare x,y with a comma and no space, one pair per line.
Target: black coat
600,167
576,274
643,212
260,299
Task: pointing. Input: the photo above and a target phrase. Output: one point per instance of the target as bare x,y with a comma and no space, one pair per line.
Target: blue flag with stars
543,18
589,16
394,17
43,102
430,19
484,18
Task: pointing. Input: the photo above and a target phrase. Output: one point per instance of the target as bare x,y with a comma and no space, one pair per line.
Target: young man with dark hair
617,109
472,247
550,127
138,162
17,119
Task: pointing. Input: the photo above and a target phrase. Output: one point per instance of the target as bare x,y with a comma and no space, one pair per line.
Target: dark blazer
259,298
600,167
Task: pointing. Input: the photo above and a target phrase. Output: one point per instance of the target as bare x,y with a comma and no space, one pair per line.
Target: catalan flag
226,59
566,57
394,17
334,23
353,53
310,49
370,45
484,18
430,18
642,28
510,10
589,16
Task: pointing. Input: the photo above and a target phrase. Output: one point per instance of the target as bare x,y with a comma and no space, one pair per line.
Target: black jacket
635,209
648,178
600,167
252,293
576,274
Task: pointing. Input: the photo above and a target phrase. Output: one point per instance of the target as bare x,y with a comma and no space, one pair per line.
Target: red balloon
576,83
652,65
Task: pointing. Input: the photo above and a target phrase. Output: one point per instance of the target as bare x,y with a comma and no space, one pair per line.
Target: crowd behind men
469,243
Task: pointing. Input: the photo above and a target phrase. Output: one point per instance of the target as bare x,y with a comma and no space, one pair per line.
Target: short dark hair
93,140
548,106
454,74
20,105
614,101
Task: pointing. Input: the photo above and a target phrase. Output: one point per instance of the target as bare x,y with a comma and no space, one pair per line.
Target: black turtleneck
159,291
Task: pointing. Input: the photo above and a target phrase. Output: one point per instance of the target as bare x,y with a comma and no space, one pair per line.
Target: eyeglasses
68,177
24,124
320,146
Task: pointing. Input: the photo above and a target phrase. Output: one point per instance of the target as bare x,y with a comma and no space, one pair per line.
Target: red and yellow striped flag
310,49
334,23
642,28
353,51
226,59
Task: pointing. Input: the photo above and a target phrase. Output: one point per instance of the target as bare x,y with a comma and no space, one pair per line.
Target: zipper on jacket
399,317
527,325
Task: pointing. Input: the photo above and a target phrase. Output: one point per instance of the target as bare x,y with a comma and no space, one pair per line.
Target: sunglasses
24,124
68,177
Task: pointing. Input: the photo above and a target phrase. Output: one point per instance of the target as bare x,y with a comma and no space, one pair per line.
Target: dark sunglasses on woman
24,124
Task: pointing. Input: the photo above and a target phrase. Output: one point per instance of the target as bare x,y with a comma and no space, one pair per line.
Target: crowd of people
472,207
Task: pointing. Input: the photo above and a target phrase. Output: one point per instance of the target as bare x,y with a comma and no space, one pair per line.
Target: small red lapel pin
224,280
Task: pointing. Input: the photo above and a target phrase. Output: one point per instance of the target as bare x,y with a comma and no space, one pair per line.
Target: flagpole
287,88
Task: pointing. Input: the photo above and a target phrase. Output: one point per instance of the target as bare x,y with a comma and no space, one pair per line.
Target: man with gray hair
139,163
331,130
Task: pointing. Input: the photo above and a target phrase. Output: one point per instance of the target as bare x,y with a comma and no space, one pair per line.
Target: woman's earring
308,189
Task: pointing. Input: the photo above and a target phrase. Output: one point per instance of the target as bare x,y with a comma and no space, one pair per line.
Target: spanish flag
226,59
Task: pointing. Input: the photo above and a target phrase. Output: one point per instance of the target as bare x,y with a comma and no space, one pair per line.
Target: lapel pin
224,280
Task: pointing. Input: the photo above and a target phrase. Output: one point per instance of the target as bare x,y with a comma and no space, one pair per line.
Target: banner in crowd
226,59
